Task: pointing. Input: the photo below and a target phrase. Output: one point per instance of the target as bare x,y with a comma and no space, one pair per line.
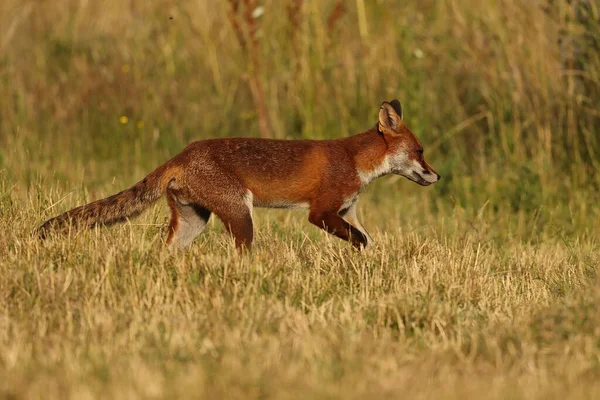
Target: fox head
405,152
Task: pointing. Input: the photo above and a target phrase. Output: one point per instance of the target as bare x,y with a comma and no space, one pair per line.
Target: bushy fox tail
116,208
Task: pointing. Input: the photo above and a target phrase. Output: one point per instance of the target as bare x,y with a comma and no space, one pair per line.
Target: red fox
230,176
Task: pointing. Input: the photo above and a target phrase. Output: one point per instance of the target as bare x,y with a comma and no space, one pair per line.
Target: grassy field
481,286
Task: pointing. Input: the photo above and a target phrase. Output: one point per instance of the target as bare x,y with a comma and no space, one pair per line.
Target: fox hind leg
237,218
240,227
188,220
229,201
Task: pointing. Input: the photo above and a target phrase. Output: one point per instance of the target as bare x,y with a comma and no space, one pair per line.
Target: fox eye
420,153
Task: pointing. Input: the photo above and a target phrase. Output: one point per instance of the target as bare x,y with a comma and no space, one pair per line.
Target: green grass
481,286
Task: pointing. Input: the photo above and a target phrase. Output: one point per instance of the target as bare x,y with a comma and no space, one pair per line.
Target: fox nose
438,176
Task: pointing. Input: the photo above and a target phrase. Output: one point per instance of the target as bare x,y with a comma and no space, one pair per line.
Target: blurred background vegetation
504,94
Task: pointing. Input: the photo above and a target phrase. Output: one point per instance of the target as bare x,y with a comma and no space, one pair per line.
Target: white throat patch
367,177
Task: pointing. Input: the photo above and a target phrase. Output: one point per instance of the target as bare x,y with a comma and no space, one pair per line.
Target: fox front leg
331,222
349,215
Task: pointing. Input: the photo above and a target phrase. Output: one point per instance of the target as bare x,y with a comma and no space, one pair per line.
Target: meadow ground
450,308
481,286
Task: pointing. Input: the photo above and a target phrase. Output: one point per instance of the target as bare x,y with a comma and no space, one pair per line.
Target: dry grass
424,313
482,286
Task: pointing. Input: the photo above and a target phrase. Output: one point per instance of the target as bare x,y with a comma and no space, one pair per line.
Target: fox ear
397,107
388,116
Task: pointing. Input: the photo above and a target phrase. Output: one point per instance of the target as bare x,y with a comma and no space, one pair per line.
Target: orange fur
229,176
